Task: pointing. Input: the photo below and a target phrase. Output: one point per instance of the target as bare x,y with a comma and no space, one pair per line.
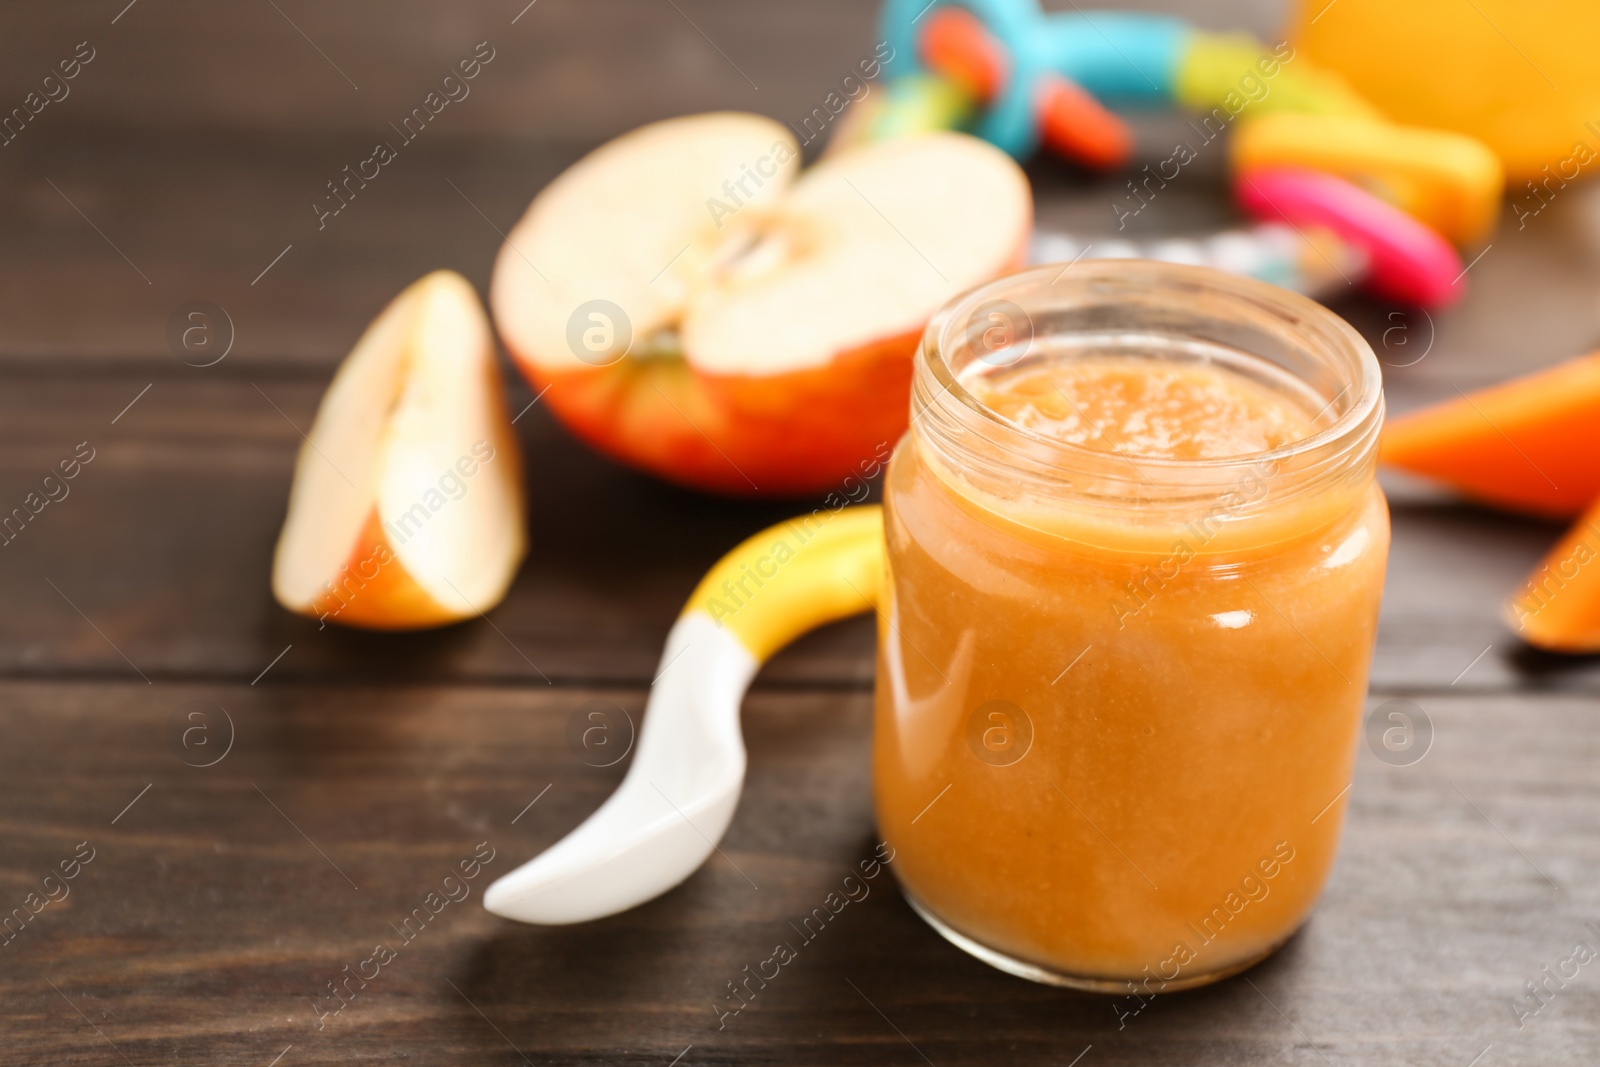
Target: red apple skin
785,435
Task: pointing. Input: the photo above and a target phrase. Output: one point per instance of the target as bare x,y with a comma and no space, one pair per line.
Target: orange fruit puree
1117,749
1144,408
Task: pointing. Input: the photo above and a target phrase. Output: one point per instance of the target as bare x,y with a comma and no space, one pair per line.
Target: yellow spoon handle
794,577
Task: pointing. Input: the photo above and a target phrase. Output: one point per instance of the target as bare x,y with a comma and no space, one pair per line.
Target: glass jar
1119,698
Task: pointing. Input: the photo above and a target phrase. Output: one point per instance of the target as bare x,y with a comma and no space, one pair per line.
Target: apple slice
698,309
407,506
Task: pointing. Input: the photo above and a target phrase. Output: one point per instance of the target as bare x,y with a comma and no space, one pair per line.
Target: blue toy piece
1116,56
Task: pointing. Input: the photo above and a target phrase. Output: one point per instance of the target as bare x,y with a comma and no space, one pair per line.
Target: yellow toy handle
1448,180
794,577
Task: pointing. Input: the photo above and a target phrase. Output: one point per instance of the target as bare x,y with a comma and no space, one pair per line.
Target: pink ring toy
1409,262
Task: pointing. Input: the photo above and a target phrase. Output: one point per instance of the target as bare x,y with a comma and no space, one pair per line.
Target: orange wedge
1530,445
1558,607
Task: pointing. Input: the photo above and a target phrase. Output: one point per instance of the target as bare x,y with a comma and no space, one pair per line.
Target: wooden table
221,901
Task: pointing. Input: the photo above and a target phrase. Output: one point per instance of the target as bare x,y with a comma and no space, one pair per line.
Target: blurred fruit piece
1532,444
407,507
697,310
1521,77
1558,607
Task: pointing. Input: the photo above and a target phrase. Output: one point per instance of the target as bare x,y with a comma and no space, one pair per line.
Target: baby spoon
679,795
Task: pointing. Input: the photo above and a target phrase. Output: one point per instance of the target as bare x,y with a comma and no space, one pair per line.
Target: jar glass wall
1119,696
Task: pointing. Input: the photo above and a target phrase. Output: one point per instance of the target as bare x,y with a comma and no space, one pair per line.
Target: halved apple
407,506
696,309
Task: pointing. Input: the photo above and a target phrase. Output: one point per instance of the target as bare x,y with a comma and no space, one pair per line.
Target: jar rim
936,377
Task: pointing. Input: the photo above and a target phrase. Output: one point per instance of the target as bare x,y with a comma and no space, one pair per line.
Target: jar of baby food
1135,555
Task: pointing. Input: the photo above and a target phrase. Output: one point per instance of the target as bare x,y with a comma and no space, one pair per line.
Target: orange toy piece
1071,121
1558,607
956,45
1075,124
1530,445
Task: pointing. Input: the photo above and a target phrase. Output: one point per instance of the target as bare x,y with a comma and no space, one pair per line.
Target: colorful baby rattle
1363,194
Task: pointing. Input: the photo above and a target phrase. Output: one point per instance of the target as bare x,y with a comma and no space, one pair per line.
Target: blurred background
183,164
199,136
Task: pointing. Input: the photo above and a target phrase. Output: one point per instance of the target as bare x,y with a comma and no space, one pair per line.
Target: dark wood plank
184,216
206,923
574,70
165,544
203,215
157,563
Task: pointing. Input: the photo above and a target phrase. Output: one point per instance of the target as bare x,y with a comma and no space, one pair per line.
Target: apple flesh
691,304
407,506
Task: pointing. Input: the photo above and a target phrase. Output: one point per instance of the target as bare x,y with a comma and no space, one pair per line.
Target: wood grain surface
360,769
217,908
